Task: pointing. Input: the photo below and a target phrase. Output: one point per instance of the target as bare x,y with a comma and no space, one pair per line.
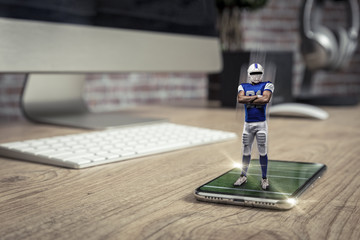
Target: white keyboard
106,146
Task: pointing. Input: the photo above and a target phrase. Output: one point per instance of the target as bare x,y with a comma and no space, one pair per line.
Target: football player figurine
255,95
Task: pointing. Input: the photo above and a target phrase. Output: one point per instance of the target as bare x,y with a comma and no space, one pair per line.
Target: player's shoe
264,183
241,180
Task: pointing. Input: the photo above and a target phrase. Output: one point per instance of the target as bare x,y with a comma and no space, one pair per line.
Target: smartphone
288,180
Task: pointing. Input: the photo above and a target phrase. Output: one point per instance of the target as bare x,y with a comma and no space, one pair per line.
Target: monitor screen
176,16
108,36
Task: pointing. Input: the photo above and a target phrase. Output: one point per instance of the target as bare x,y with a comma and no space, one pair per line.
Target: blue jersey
255,113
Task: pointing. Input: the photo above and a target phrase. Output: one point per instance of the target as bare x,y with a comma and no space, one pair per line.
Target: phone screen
287,179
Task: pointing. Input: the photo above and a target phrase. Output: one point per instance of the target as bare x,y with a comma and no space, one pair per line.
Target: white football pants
252,130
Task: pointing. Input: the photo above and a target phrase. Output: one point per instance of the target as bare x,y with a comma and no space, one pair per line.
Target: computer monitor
57,42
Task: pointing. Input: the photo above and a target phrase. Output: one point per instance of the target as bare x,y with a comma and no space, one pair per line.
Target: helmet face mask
255,73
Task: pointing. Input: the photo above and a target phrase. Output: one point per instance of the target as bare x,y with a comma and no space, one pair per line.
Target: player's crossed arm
256,100
245,99
262,99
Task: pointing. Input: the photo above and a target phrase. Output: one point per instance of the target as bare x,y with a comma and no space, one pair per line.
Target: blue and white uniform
255,125
255,113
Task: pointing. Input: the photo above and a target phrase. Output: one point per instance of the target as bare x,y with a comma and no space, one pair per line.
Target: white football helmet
255,73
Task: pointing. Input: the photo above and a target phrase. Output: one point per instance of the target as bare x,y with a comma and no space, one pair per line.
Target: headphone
324,48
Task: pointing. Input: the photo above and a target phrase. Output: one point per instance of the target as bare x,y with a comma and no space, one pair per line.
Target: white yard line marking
275,176
306,168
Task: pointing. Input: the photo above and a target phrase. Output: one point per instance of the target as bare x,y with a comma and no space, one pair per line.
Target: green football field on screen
284,177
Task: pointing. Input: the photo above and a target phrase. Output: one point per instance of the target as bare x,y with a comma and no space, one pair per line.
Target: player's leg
247,140
261,138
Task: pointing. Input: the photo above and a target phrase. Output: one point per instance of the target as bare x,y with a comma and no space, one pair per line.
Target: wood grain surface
152,197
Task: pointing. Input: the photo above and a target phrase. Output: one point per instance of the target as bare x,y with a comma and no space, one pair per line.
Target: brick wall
108,92
10,91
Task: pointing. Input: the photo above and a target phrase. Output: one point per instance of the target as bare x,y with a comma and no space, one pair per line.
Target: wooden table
152,197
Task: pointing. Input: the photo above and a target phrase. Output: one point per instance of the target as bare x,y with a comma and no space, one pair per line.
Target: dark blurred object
325,48
65,11
228,21
249,4
176,16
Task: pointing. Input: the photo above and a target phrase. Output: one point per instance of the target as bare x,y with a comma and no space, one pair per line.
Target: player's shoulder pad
242,86
269,86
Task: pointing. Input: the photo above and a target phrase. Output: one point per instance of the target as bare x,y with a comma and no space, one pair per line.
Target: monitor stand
58,99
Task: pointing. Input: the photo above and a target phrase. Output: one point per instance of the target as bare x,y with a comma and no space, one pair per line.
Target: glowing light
237,165
292,201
